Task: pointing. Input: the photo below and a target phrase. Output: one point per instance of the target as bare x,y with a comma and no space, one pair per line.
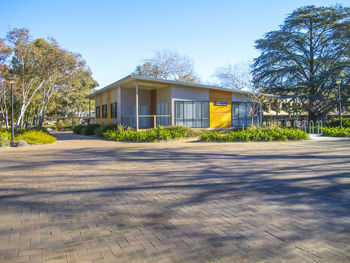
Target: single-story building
143,102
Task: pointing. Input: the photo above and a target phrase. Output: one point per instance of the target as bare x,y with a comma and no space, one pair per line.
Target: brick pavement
82,199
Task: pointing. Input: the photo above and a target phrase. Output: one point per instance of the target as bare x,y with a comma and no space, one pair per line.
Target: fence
146,121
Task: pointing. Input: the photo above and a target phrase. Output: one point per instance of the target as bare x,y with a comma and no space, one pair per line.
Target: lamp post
12,128
338,81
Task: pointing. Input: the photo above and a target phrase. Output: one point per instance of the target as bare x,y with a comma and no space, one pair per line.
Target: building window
113,110
104,111
194,114
241,114
97,110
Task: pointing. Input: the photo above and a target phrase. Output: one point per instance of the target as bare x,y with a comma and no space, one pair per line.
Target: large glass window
193,114
241,114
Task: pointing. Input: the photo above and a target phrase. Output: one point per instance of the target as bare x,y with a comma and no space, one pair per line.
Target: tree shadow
204,204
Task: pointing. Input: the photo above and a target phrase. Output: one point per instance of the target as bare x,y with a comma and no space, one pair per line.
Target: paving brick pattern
82,199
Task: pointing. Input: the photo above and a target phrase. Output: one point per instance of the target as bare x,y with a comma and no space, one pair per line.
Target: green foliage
256,134
336,123
78,129
5,134
305,56
152,135
36,128
4,142
102,129
36,137
336,132
90,129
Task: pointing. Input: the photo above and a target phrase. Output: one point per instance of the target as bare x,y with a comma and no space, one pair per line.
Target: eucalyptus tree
44,72
305,56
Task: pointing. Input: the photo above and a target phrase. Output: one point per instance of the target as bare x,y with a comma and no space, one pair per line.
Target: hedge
336,132
255,134
125,134
336,123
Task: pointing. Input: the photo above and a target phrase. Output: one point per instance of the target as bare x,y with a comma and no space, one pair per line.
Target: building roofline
171,82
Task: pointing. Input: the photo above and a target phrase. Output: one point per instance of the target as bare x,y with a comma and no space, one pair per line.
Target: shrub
90,129
60,125
256,134
125,134
336,123
36,128
36,137
336,132
5,134
78,129
4,142
100,130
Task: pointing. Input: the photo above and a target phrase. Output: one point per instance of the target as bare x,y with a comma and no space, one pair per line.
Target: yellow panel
108,106
101,122
220,116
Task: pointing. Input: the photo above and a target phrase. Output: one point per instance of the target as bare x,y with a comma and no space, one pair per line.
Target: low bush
4,142
336,132
102,129
5,134
124,134
256,134
36,137
36,128
336,123
90,129
78,129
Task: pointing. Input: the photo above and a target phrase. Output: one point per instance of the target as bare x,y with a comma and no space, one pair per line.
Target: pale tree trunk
26,101
4,113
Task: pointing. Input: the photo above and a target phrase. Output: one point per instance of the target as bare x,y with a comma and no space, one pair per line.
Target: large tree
305,56
168,65
45,75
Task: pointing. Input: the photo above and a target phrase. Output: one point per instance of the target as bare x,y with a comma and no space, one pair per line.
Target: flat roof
132,77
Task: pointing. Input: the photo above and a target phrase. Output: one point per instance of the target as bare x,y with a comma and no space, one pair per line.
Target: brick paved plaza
83,199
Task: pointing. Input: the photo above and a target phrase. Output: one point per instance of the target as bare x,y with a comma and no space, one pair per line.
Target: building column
137,106
119,105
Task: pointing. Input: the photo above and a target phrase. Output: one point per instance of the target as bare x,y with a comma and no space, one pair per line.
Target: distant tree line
48,80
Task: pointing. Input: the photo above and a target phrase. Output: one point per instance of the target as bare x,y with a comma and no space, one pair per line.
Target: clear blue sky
115,36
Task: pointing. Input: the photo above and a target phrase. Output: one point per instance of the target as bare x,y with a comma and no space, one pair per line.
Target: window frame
104,111
97,111
246,120
204,121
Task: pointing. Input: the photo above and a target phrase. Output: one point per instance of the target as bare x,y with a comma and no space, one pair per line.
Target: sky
115,36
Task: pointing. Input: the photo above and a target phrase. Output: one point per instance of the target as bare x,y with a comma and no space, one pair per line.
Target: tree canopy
168,65
44,74
305,56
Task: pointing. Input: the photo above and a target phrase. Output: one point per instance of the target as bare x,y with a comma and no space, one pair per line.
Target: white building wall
237,97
